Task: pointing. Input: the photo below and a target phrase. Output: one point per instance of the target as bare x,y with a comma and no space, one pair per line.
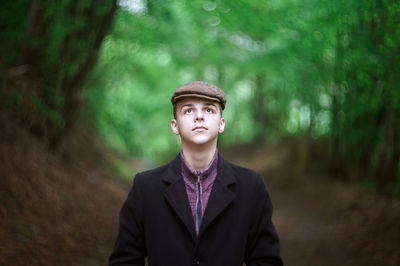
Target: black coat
156,221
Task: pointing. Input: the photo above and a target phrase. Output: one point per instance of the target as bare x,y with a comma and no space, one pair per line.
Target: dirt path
319,221
306,238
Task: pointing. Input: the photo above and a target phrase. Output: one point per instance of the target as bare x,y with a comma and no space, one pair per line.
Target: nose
199,116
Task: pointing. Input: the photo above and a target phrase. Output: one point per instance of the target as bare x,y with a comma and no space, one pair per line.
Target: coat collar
176,195
191,175
174,171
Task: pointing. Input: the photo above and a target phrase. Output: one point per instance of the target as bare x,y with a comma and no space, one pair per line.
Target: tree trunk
259,114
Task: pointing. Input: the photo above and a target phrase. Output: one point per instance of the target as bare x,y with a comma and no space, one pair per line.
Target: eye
188,111
209,110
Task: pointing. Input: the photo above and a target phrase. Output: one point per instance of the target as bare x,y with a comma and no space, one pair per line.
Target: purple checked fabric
199,192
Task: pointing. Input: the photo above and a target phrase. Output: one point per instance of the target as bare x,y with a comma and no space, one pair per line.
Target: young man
198,209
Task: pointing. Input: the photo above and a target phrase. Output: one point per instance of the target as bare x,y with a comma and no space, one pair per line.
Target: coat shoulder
248,182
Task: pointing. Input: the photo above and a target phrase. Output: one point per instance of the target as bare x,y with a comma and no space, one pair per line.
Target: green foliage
13,24
47,50
326,69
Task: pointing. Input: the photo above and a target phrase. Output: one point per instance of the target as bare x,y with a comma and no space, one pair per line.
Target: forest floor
61,208
320,219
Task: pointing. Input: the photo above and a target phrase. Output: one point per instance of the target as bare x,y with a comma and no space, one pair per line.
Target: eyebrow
187,105
212,104
191,105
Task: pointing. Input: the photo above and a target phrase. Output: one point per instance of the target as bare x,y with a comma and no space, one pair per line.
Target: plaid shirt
207,177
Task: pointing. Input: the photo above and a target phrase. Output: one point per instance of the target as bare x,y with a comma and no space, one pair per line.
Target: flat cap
200,89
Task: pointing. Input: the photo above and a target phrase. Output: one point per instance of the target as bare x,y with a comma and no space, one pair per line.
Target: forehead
195,101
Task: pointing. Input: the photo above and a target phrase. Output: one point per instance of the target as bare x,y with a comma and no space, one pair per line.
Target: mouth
199,129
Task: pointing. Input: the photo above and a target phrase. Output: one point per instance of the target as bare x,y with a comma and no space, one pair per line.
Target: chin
198,140
202,140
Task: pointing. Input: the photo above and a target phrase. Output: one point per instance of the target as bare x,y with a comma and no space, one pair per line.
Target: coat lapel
221,195
176,195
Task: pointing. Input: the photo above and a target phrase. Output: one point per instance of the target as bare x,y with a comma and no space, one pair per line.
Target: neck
199,156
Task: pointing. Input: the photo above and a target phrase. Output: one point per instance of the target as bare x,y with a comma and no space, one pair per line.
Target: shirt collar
191,173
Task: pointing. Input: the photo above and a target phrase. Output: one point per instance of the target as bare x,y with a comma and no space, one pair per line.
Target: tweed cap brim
200,89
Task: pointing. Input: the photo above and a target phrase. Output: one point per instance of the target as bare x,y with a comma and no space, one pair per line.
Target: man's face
198,121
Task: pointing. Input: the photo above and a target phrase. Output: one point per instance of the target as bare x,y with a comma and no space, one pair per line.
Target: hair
175,106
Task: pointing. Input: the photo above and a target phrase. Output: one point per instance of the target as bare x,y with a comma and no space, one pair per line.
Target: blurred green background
325,71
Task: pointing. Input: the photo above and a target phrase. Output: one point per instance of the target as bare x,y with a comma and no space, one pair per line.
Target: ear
221,125
174,127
